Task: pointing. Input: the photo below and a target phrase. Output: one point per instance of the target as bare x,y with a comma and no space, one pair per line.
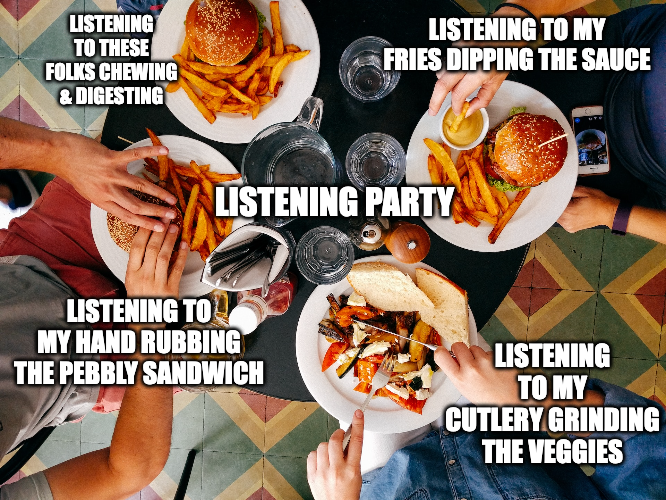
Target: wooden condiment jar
409,243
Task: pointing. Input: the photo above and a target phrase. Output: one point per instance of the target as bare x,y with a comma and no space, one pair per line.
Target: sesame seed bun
517,157
222,32
122,233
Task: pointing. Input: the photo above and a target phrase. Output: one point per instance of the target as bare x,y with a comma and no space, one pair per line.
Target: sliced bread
450,314
386,287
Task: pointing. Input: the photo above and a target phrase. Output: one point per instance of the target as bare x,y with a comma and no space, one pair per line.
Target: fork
379,380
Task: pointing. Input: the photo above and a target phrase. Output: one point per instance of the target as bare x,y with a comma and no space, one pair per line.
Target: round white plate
299,78
337,396
542,207
182,150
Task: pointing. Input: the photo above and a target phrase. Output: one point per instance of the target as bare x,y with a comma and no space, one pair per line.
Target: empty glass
362,69
375,159
324,255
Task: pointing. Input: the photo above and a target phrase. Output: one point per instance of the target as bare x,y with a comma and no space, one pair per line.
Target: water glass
375,159
324,255
362,70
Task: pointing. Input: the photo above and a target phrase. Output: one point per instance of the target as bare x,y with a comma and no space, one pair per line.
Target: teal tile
220,470
304,438
222,434
188,426
294,470
41,179
98,428
333,425
6,63
67,432
624,341
495,331
620,253
6,51
56,452
36,67
583,249
55,43
174,468
90,447
578,326
624,371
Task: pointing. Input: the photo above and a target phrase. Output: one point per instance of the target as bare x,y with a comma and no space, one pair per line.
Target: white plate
182,150
337,396
541,208
299,78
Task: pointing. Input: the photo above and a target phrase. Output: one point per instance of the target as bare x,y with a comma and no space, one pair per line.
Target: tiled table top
586,286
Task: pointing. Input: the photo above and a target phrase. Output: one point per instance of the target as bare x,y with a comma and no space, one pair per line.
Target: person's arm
142,436
96,172
473,373
332,475
461,84
590,208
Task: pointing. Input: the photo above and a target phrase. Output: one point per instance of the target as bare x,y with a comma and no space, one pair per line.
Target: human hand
100,176
331,474
461,84
588,208
473,373
148,273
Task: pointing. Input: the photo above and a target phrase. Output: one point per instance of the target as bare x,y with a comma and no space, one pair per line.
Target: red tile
257,495
541,278
149,494
267,495
11,110
29,115
24,6
655,398
656,286
654,305
521,296
14,478
524,278
275,406
540,297
10,6
256,402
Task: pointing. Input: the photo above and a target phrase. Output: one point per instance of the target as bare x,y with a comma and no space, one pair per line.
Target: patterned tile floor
587,286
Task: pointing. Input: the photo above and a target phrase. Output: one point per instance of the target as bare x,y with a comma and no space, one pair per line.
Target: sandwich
513,159
122,233
223,32
441,303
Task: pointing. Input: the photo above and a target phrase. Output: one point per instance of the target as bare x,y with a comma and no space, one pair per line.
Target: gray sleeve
34,487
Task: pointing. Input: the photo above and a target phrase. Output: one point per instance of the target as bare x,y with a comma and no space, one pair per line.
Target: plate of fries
195,168
482,218
233,104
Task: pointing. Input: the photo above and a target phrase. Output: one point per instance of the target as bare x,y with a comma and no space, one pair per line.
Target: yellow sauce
468,131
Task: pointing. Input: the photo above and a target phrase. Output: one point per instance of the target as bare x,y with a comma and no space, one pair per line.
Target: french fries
445,160
241,88
162,161
453,128
476,200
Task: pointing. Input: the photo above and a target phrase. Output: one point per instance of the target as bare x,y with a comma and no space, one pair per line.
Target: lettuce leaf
501,185
517,109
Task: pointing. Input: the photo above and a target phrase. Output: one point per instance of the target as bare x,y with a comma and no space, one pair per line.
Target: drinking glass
375,159
324,255
362,70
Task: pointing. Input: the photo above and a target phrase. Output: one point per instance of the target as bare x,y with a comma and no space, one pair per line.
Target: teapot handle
311,112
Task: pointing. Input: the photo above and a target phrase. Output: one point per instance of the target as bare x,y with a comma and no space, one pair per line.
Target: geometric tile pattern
589,286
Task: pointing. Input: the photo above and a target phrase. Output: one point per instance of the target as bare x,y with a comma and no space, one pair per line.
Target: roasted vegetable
329,329
344,316
405,367
418,352
343,369
334,303
332,354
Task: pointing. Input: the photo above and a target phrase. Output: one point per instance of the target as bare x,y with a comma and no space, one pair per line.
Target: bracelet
522,9
621,219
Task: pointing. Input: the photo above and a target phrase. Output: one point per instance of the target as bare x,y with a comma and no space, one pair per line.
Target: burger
513,159
122,233
224,32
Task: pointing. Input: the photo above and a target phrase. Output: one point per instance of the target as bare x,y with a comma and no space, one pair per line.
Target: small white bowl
482,135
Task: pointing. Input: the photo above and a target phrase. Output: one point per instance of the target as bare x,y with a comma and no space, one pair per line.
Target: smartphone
591,140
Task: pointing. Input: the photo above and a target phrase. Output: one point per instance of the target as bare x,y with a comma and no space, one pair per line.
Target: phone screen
591,140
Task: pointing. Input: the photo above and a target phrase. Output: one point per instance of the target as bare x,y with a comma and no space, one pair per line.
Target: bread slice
450,314
386,287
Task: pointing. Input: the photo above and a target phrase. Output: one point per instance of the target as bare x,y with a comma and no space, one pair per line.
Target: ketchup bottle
252,308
